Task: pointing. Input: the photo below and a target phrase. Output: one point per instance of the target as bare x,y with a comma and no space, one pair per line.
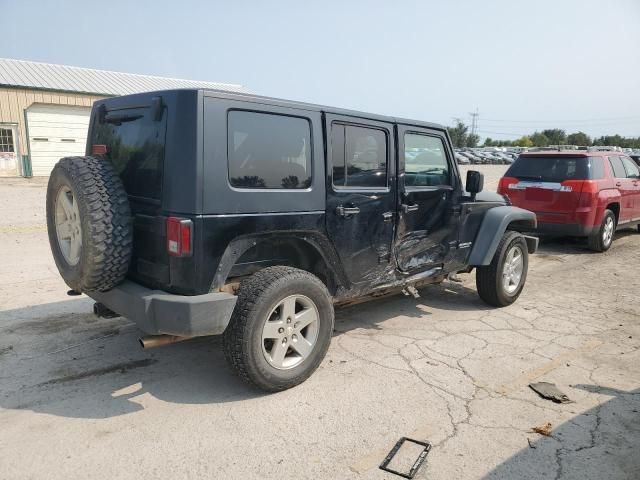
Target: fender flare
238,246
496,221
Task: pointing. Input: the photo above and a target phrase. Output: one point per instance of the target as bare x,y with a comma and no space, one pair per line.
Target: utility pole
474,121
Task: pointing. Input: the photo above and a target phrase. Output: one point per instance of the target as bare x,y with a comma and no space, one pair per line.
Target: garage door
55,131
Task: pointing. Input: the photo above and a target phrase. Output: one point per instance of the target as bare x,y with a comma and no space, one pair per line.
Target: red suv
576,193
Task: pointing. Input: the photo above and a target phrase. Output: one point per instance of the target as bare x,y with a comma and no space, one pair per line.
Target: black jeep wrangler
200,212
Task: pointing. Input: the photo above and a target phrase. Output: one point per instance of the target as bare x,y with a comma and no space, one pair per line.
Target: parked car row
466,156
577,193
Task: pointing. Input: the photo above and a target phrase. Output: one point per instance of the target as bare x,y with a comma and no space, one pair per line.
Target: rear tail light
179,237
98,150
505,183
589,191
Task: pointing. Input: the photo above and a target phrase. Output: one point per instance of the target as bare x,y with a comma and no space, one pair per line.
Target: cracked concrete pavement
80,399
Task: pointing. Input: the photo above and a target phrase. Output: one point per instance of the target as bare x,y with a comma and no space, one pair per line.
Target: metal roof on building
48,76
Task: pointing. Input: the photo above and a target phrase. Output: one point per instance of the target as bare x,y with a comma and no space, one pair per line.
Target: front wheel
280,329
500,283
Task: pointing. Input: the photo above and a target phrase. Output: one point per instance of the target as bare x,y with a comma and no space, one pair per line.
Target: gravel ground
79,399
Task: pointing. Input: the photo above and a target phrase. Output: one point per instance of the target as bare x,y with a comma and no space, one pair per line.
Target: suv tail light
179,237
505,182
98,149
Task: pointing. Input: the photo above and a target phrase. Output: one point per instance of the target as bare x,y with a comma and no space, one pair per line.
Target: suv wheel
89,223
280,329
601,240
500,283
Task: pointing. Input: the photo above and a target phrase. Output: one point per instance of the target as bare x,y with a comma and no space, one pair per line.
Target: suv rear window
268,151
555,169
135,145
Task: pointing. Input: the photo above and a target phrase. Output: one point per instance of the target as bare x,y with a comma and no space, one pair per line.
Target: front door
625,187
361,196
633,175
428,195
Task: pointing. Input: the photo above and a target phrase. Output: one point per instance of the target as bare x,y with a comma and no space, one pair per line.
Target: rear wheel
281,328
500,283
601,240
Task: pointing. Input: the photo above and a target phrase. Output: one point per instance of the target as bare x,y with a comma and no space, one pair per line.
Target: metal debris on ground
543,429
416,465
550,392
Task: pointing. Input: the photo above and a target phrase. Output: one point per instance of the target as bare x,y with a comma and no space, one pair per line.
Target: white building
44,109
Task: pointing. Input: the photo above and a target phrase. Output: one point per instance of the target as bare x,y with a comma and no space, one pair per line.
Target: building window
6,140
359,156
268,151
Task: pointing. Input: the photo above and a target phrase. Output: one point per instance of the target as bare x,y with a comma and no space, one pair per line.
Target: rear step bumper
157,312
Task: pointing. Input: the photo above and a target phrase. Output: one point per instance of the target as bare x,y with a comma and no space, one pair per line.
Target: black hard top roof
248,97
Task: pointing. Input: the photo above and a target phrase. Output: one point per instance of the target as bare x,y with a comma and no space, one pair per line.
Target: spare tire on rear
89,223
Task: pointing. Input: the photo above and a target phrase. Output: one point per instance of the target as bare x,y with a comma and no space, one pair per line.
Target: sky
524,65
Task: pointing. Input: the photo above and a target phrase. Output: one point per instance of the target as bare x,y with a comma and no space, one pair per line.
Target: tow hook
101,311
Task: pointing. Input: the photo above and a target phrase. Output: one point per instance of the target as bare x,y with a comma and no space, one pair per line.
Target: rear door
428,216
626,188
633,174
360,196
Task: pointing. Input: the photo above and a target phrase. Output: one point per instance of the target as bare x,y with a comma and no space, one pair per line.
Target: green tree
579,138
458,134
556,136
523,141
472,140
539,139
488,142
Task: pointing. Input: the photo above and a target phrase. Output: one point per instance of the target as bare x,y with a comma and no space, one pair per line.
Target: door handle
347,211
618,184
387,216
409,208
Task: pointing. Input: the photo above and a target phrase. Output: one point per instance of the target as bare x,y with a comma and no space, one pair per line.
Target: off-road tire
489,278
105,219
596,241
257,296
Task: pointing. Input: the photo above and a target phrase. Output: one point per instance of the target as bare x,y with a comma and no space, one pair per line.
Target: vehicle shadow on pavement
550,246
600,443
73,364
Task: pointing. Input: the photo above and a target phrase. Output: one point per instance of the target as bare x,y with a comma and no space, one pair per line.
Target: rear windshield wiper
117,119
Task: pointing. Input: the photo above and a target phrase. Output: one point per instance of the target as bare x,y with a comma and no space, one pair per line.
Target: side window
359,156
618,168
425,161
268,151
596,168
631,168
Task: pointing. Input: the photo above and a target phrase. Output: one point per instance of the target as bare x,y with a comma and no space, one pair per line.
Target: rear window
135,145
556,169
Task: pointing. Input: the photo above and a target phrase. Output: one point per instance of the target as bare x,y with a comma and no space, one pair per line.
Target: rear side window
135,145
618,168
631,168
359,156
268,151
550,169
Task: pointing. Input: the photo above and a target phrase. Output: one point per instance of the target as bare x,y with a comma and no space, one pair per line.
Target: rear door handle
618,184
409,208
347,211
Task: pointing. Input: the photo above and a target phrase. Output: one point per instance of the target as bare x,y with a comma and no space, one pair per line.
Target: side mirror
475,182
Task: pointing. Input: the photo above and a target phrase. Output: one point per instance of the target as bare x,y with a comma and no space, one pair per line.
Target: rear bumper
566,229
157,312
